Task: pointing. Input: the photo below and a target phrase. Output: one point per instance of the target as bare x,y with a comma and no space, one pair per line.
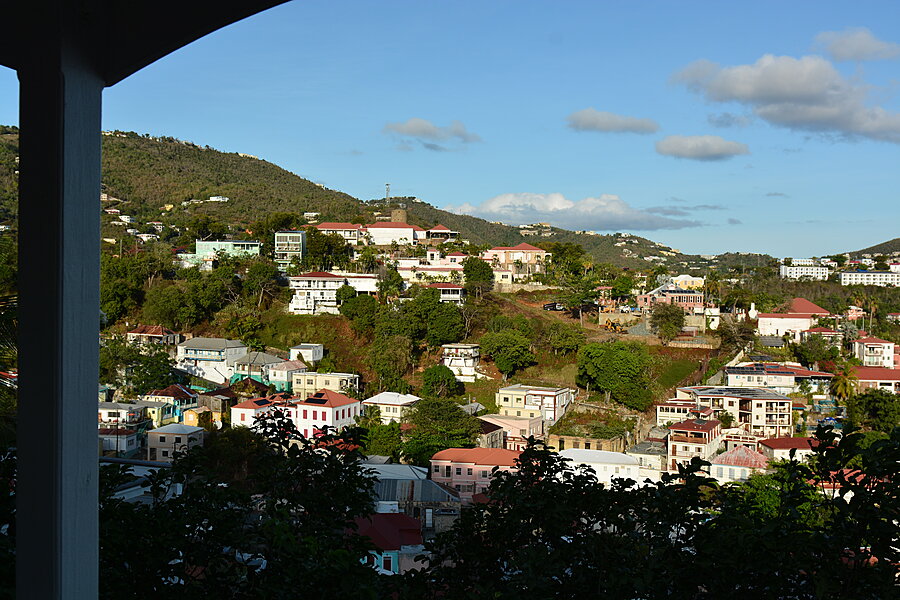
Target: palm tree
843,385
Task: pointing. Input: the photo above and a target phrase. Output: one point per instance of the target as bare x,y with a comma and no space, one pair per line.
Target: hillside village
456,354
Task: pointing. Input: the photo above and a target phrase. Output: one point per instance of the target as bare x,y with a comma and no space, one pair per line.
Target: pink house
523,259
689,300
468,470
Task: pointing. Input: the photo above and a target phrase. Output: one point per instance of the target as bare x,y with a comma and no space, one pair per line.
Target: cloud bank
428,134
681,211
806,94
700,147
606,212
607,122
857,44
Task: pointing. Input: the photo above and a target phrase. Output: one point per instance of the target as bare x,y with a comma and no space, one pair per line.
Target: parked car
554,306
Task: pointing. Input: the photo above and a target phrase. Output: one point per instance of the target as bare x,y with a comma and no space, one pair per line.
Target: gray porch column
59,264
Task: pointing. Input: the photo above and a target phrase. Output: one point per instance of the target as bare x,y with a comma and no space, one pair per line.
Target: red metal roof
788,443
151,330
695,425
336,226
479,456
876,374
174,391
786,315
522,246
319,275
445,286
802,305
742,456
332,399
392,225
439,228
873,340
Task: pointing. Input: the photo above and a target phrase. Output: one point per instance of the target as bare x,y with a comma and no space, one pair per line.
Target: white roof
596,457
392,398
177,428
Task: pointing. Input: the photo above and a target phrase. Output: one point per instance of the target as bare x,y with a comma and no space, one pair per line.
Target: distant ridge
886,248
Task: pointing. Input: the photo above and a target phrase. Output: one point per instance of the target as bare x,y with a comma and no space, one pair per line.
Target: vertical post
59,227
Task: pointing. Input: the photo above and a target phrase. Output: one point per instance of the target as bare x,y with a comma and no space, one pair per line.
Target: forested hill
885,248
145,174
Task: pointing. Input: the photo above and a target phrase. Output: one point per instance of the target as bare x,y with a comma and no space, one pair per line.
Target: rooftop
742,456
479,456
204,343
177,428
735,392
327,398
258,358
787,443
695,425
392,398
580,456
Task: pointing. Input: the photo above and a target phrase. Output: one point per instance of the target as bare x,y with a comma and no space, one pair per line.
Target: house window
177,440
315,415
162,438
437,469
304,413
587,445
243,416
447,471
576,444
468,471
518,413
485,474
459,470
165,453
562,444
387,563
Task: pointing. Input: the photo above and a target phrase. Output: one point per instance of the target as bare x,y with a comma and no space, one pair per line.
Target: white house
288,246
309,415
462,359
780,448
315,293
386,232
122,443
281,374
210,358
874,352
391,405
516,430
164,442
606,465
801,316
308,353
351,232
450,292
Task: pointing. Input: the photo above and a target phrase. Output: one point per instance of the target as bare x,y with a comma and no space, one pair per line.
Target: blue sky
709,126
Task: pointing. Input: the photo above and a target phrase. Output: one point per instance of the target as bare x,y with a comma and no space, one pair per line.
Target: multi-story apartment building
468,470
315,293
880,278
288,246
810,272
877,377
523,260
152,334
208,251
693,437
759,411
522,400
874,352
306,384
210,358
351,232
781,378
308,414
121,415
516,430
462,359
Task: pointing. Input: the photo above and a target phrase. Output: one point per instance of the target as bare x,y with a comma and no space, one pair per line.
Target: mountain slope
885,248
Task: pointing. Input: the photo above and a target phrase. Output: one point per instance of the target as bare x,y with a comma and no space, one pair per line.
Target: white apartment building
879,278
351,232
450,292
874,352
308,353
391,405
288,246
759,411
386,232
802,262
462,359
306,384
522,400
315,293
210,358
605,464
810,272
516,430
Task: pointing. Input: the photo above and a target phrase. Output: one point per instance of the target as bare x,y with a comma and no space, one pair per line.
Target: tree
439,381
564,338
875,409
577,290
509,349
344,293
445,325
619,369
153,370
622,287
479,276
260,279
383,440
362,312
814,349
437,424
735,334
843,384
667,320
390,284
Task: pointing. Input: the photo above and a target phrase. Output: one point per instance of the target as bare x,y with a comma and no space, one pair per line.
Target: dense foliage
619,369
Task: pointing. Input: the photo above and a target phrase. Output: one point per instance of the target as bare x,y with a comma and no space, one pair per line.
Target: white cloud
606,212
422,129
805,94
856,43
700,147
595,120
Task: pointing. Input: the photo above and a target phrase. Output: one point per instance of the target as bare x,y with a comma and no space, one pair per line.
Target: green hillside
143,174
886,248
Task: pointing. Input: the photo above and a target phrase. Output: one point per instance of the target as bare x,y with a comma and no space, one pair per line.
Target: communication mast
387,193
